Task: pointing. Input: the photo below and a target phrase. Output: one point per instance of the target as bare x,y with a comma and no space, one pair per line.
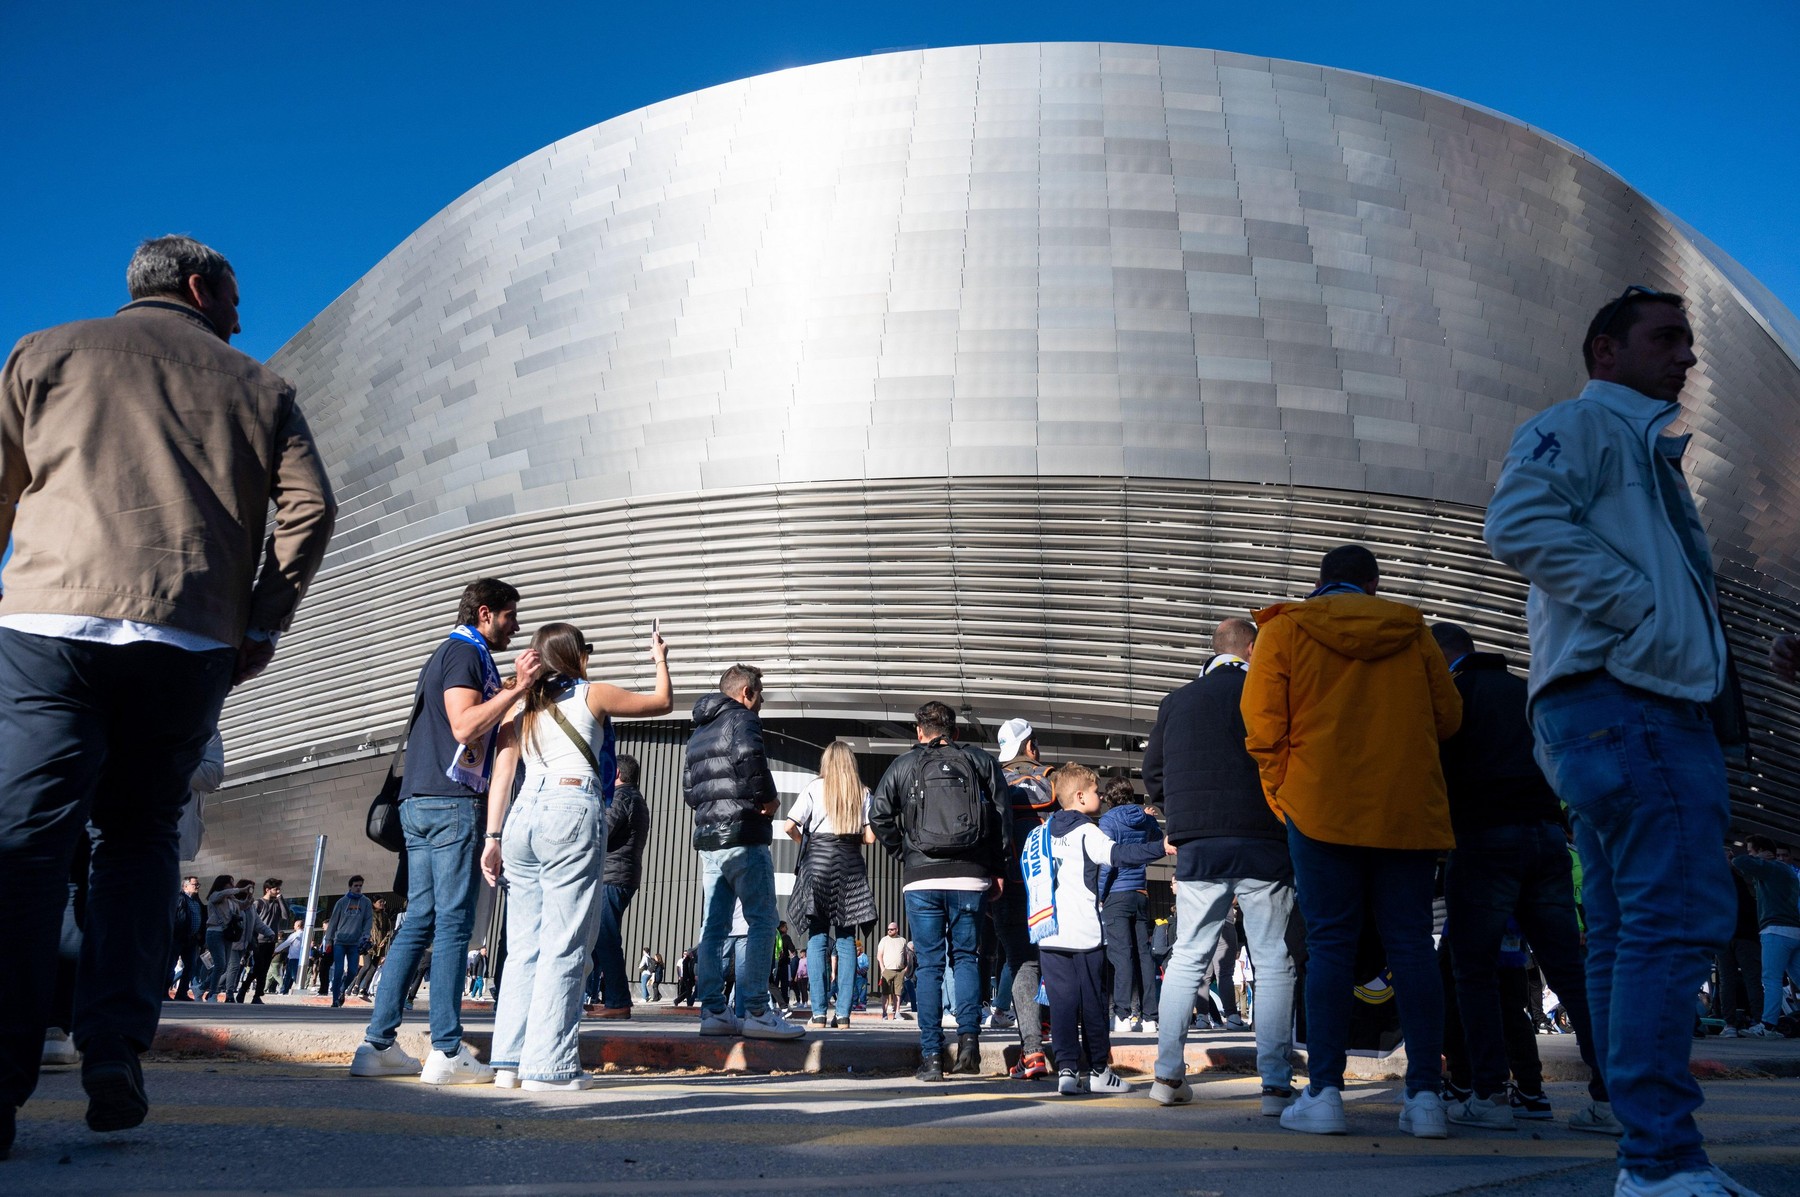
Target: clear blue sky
307,140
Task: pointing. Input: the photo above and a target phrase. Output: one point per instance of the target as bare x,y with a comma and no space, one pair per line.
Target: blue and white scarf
473,764
1337,588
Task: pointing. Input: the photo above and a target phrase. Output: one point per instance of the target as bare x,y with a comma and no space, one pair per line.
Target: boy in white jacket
1071,944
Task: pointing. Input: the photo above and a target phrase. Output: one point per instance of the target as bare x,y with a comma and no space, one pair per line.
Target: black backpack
945,815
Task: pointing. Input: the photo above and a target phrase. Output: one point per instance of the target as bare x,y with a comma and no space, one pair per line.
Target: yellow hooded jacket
1344,705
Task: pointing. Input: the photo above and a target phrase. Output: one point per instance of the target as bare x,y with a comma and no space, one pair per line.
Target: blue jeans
817,969
729,876
96,741
1496,873
440,910
1780,955
609,949
554,847
290,972
213,979
1201,908
1338,885
346,958
1645,784
945,923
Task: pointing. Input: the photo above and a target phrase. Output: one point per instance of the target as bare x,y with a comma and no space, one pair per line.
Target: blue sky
306,141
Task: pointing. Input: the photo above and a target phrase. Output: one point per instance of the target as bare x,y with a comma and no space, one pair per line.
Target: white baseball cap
1013,734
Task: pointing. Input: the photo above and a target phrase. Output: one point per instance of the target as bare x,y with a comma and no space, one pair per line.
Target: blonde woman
551,846
831,901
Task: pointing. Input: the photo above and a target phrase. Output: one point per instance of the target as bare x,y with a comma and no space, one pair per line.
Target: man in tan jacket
139,458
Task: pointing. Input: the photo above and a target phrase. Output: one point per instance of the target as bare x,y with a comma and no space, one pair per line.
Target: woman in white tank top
551,845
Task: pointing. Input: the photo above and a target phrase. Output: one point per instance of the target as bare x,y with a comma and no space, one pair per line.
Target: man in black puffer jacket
725,780
1228,843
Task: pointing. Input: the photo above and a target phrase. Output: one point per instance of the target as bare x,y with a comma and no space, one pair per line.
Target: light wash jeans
818,969
553,848
744,874
1645,784
1201,908
1780,955
440,905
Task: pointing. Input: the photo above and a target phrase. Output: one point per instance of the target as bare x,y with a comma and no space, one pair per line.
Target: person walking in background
552,849
1778,925
290,951
1627,651
381,937
941,810
1125,910
271,915
1344,705
140,459
1511,861
725,781
449,765
1228,844
831,898
225,904
190,937
627,831
890,963
352,920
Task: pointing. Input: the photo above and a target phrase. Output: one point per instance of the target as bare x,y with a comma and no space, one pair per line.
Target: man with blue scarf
460,702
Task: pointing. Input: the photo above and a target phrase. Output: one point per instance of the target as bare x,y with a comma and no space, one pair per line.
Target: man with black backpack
941,810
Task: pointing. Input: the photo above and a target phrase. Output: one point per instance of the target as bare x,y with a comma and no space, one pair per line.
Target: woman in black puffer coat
832,902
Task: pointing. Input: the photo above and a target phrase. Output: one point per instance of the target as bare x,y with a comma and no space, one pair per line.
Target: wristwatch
493,835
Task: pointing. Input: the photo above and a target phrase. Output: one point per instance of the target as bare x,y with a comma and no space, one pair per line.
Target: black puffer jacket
725,776
1490,770
627,831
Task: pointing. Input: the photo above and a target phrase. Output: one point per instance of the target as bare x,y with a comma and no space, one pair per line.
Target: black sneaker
968,1056
1534,1107
115,1085
1453,1093
931,1067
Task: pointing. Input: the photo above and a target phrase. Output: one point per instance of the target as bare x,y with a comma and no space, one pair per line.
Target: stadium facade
993,374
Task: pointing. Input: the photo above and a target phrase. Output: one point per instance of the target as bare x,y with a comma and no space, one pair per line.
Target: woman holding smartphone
551,845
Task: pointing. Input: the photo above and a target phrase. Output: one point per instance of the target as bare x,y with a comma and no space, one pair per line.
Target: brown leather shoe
612,1012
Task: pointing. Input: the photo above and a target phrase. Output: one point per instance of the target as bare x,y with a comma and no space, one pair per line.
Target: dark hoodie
725,776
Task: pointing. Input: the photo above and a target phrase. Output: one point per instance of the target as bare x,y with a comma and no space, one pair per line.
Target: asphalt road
220,1127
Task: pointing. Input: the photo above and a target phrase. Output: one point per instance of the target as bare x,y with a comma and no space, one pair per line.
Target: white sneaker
1123,1026
1105,1080
1149,1026
59,1051
1237,1023
1701,1182
1276,1099
391,1060
770,1025
1000,1020
723,1023
1755,1030
1069,1083
1171,1093
1730,1032
573,1084
1483,1112
1423,1116
1320,1113
506,1078
460,1069
1597,1117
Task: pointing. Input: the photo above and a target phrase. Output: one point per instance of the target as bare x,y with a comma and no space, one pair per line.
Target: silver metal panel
796,362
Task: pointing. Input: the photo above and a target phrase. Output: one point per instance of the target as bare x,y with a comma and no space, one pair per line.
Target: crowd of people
1334,750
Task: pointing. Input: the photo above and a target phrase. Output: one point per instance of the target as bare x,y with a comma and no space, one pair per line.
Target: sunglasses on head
1611,312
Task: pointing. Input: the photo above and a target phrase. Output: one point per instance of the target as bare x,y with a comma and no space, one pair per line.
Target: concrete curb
655,1049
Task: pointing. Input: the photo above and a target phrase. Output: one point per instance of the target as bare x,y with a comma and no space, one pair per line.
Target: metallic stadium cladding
995,374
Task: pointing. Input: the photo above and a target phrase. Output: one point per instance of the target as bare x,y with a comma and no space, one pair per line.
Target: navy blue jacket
1129,824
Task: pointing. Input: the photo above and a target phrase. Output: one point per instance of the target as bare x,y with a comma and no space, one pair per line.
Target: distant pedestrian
225,906
141,458
449,766
1344,704
552,850
941,810
190,937
1125,909
271,915
1777,892
725,781
352,920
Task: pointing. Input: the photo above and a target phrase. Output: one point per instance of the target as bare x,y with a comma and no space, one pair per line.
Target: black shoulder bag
383,822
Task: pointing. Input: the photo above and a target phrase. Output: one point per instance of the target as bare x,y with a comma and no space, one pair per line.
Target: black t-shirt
455,665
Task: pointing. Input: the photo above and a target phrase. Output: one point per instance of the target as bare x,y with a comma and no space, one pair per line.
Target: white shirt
108,631
1078,907
809,814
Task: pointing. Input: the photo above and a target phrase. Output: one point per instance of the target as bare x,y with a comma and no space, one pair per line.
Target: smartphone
655,628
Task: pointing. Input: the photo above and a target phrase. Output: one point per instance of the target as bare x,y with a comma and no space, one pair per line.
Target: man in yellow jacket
1345,702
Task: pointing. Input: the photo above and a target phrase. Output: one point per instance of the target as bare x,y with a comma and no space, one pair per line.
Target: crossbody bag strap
575,736
406,732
